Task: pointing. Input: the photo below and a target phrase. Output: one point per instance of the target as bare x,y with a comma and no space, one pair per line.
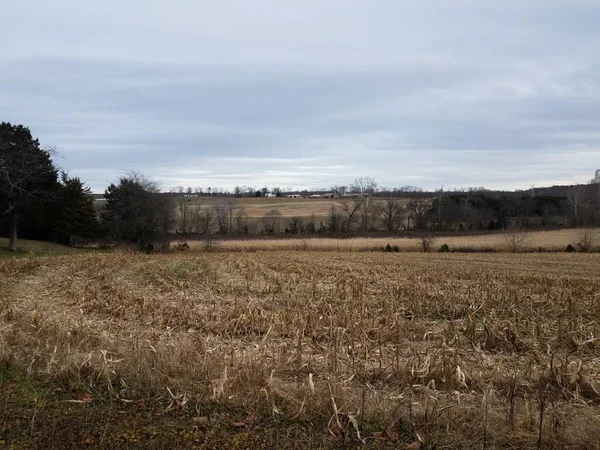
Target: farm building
326,195
293,196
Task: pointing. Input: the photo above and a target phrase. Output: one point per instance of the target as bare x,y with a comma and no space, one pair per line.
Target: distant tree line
368,209
39,201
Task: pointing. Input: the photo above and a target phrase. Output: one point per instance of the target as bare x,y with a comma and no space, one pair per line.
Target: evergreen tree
136,211
28,178
75,214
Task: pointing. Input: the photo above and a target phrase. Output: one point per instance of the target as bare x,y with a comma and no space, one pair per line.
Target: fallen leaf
378,435
391,434
201,420
247,422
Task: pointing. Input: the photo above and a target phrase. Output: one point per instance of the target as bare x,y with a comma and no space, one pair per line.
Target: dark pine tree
28,178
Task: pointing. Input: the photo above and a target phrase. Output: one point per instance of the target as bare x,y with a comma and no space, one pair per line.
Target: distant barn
326,195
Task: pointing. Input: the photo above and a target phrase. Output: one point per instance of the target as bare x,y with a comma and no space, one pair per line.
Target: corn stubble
491,350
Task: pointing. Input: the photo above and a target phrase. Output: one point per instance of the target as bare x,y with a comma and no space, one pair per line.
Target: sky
313,93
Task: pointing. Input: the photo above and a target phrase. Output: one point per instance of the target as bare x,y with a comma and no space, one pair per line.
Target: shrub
396,248
426,243
444,248
570,249
588,240
388,248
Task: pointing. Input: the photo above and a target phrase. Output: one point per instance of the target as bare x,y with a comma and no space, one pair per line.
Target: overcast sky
501,94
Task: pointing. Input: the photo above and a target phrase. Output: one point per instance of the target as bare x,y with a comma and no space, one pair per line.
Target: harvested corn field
313,349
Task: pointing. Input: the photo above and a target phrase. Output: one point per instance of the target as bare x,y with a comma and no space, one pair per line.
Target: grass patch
38,414
39,248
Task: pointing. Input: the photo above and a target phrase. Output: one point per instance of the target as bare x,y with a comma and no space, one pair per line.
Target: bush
444,248
388,248
396,248
570,249
426,243
588,240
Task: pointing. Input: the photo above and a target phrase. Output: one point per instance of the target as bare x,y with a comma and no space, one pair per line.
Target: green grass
40,248
54,413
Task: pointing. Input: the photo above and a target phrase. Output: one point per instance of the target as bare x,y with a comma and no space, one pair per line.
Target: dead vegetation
514,240
411,350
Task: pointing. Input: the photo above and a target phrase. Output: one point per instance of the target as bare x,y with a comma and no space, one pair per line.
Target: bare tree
516,238
440,204
311,225
351,207
206,221
241,219
230,207
183,206
366,188
465,203
295,225
587,240
209,241
391,213
271,221
418,208
574,199
335,220
221,210
426,242
201,218
359,207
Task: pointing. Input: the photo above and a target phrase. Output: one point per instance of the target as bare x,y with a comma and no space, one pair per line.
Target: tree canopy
27,175
33,201
136,211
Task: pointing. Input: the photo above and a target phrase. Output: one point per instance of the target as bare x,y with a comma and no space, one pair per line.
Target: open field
532,241
256,207
301,350
40,248
288,207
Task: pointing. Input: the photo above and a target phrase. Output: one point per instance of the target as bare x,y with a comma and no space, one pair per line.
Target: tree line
369,209
39,201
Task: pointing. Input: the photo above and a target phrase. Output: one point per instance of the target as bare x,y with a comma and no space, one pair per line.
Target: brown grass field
40,248
287,207
301,350
532,241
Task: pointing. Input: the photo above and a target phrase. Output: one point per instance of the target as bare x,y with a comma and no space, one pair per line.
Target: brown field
301,350
256,208
533,241
287,207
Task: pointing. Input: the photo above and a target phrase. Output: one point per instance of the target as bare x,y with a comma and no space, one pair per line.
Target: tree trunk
13,221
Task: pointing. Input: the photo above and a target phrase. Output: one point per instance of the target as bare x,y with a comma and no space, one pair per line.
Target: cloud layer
503,94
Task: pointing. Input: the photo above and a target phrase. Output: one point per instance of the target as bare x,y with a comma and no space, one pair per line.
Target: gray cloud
502,94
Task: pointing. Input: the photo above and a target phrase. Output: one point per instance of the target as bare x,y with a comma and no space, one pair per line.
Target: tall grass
532,241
